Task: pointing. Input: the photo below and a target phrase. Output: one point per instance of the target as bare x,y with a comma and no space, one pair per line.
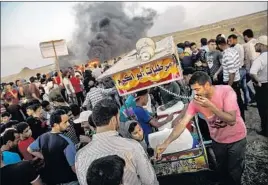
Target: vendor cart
132,73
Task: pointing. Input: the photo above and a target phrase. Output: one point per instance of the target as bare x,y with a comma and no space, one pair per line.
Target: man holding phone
227,129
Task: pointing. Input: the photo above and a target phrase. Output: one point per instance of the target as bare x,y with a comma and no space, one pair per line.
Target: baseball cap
180,50
262,40
83,116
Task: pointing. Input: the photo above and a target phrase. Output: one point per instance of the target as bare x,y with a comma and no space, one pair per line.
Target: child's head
136,131
46,106
29,110
5,117
24,130
34,110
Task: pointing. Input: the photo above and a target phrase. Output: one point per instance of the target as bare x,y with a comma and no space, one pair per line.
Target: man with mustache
227,129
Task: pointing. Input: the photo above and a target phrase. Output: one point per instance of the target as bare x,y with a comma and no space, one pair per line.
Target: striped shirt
95,95
138,169
230,64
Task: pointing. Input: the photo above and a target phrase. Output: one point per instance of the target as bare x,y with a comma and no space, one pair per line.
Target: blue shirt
10,157
144,119
69,151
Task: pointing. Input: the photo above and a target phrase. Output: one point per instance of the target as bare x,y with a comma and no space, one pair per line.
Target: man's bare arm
36,154
219,70
179,128
231,79
180,116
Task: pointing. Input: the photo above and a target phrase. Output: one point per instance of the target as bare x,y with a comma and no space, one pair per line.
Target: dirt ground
256,171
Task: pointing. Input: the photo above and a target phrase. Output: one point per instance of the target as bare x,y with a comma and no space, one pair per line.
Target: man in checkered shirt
231,65
96,94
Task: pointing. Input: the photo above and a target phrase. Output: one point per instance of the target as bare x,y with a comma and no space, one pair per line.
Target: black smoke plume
105,31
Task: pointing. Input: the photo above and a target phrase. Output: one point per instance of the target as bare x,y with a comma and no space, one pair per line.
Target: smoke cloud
105,31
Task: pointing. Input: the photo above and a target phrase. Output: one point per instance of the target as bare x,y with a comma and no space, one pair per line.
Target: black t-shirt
37,126
22,173
16,112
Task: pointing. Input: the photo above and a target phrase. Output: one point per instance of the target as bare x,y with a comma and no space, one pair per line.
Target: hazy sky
24,25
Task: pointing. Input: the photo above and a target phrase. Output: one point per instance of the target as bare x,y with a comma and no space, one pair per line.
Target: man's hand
202,101
258,84
215,77
160,149
169,118
84,139
219,124
162,108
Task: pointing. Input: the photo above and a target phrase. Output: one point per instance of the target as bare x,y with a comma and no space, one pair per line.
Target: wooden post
57,66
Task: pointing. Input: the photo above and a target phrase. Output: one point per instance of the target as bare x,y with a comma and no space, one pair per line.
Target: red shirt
76,84
9,95
34,90
224,98
57,80
23,145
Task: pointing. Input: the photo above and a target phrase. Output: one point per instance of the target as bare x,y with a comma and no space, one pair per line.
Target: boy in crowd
10,140
25,140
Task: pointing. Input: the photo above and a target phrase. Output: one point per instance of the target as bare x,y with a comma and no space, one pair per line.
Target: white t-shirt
259,68
96,72
66,82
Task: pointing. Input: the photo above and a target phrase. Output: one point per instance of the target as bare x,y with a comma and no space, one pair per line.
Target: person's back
22,173
107,141
110,143
230,64
53,149
249,48
96,71
57,150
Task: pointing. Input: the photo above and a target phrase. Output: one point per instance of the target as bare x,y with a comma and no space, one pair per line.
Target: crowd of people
70,128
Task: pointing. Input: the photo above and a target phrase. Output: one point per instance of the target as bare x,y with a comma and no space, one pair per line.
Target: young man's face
201,90
181,55
220,47
14,143
258,47
64,124
246,39
27,133
48,108
194,49
137,134
144,99
212,46
38,111
8,87
29,112
19,83
5,119
232,41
